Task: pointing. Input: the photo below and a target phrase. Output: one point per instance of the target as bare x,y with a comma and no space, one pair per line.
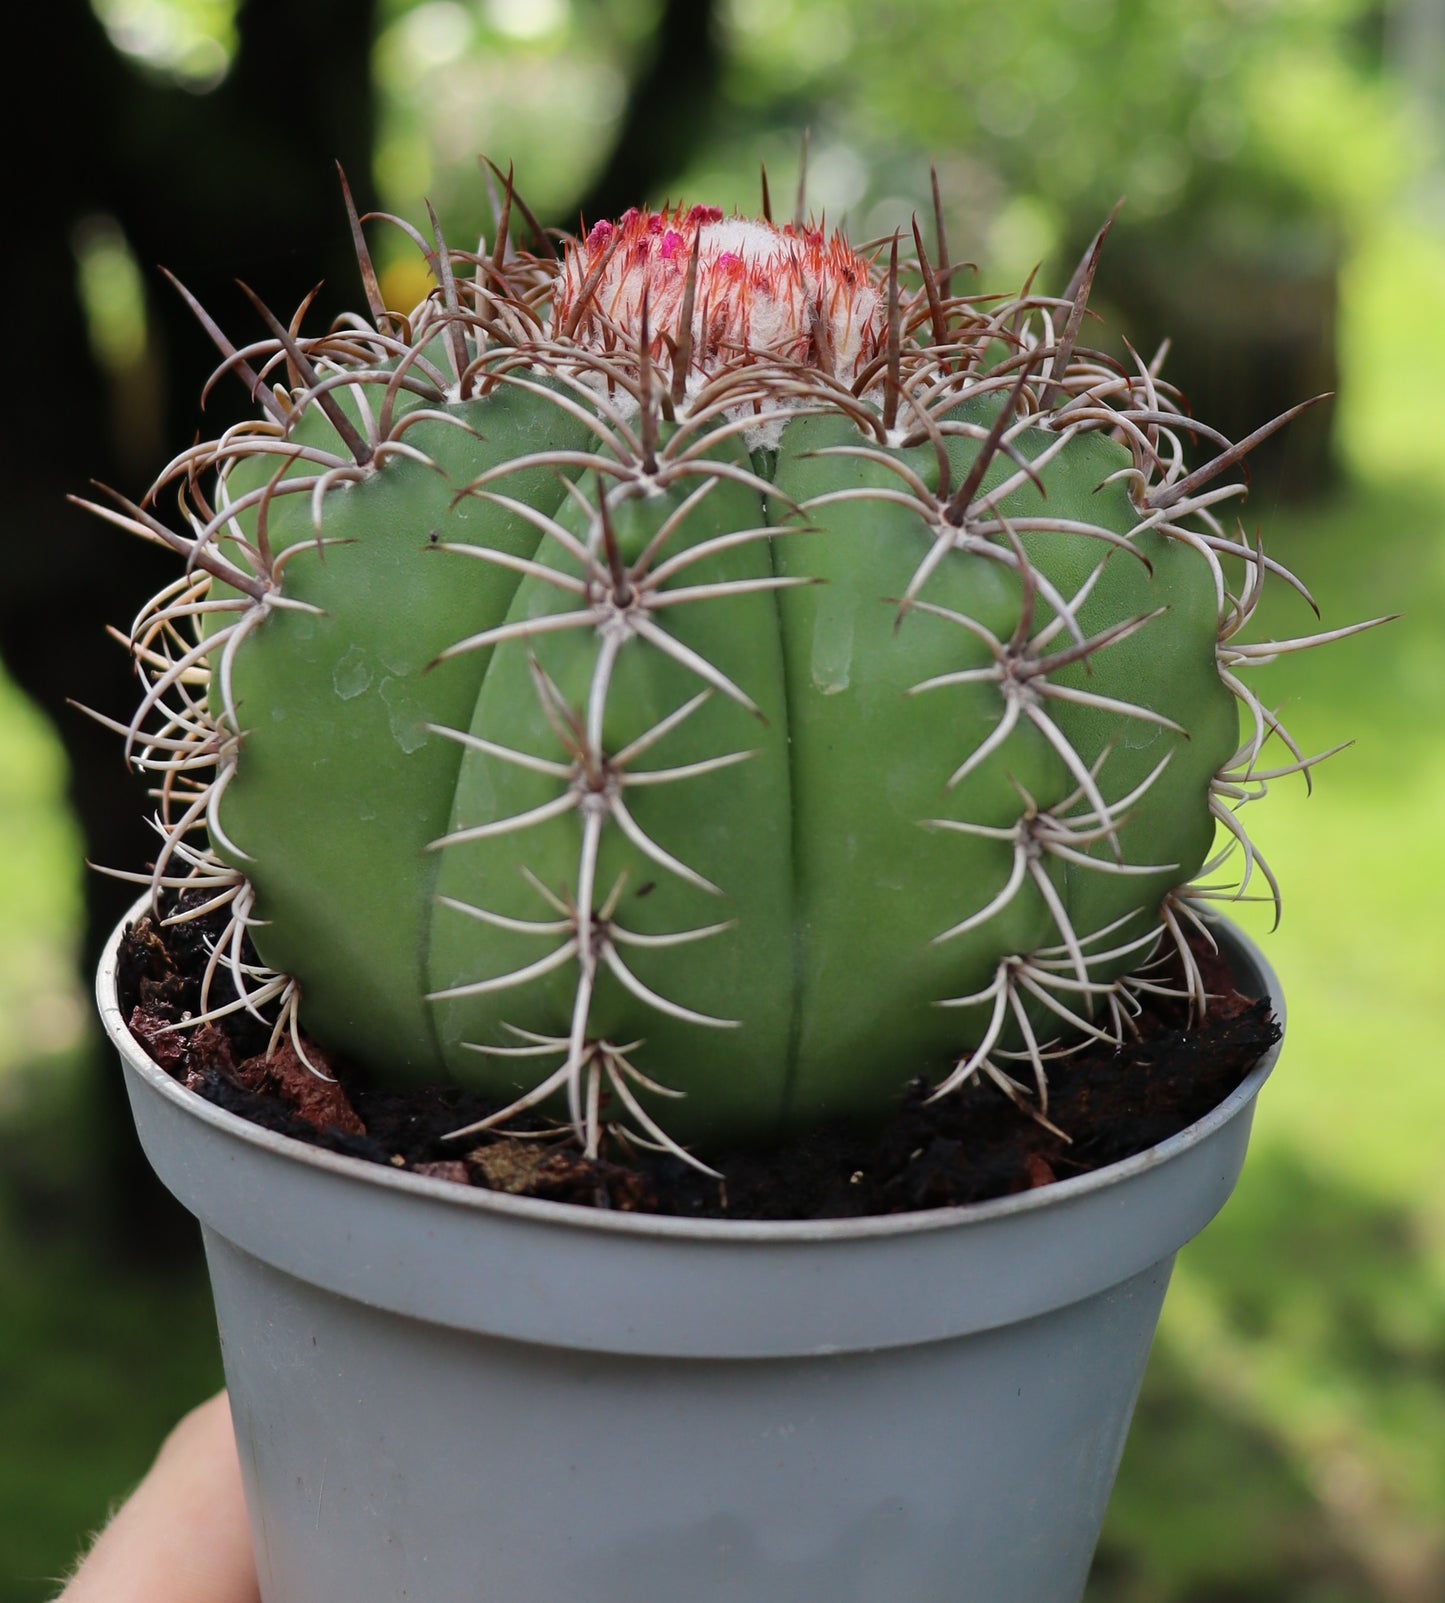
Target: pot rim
574,1216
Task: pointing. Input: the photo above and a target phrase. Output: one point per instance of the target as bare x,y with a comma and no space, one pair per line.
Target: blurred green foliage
40,870
1230,114
541,82
1290,1443
1068,104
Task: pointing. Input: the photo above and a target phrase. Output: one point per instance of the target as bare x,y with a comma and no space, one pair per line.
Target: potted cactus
686,686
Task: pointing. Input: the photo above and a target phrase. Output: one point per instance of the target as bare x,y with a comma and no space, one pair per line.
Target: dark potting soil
972,1145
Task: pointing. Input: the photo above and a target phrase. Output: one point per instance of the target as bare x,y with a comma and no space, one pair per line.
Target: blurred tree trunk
668,114
239,181
1251,320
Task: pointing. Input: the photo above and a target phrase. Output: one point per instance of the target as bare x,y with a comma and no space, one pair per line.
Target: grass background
1290,1442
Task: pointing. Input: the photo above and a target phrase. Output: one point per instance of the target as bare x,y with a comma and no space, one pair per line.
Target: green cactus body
710,707
355,745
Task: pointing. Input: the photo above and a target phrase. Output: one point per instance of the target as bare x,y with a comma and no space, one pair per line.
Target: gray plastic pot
457,1396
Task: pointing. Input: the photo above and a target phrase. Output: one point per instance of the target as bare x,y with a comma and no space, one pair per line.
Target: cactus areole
702,681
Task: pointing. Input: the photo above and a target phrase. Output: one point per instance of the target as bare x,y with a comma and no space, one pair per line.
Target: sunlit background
1284,218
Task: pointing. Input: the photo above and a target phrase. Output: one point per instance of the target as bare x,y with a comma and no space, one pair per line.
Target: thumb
182,1535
